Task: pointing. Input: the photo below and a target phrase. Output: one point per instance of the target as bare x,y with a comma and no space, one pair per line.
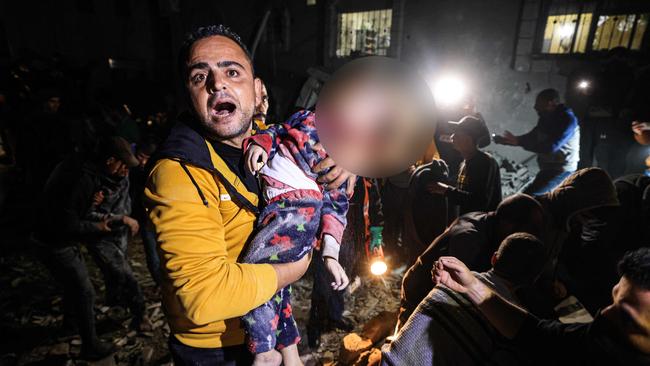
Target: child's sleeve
269,139
333,220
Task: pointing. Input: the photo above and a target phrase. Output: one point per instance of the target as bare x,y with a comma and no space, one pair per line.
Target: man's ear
258,91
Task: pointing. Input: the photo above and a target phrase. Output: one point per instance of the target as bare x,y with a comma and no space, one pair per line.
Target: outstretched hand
453,273
254,155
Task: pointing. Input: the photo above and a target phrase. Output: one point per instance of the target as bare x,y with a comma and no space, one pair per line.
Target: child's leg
288,232
287,334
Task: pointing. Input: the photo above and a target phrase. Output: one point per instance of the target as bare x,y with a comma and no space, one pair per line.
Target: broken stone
147,334
104,309
154,305
380,327
362,360
121,342
108,361
353,345
147,354
76,342
61,349
131,334
375,357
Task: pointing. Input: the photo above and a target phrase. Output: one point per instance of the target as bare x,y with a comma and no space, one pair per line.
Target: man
474,237
66,219
138,178
446,328
619,335
555,139
479,182
203,205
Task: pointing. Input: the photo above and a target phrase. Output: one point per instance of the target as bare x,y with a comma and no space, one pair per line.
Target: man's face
630,313
222,87
52,105
116,168
544,106
142,158
461,141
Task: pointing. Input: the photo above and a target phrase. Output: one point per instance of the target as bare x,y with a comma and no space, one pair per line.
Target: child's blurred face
372,125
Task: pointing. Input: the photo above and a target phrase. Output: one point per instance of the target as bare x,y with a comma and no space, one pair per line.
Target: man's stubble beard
244,125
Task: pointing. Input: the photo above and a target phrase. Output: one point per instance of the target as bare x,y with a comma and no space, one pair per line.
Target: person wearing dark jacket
365,218
479,181
555,139
426,214
472,237
70,215
619,334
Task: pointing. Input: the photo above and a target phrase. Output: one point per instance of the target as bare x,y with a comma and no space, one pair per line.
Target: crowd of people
231,209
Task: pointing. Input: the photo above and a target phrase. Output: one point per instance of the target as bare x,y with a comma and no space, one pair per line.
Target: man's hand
131,223
98,198
639,127
336,176
104,226
254,155
288,273
507,139
437,188
453,273
341,280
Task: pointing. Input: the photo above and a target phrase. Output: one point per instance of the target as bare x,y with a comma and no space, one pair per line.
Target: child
298,214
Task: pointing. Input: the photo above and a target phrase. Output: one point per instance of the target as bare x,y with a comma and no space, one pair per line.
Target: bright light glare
566,31
449,91
378,267
583,84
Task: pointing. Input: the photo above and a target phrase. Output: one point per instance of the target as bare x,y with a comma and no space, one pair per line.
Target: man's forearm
289,273
507,318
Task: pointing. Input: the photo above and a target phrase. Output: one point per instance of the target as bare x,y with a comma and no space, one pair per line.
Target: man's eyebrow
228,63
198,65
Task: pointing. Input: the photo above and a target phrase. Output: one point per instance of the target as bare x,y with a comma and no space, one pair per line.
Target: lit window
620,31
566,33
364,33
311,2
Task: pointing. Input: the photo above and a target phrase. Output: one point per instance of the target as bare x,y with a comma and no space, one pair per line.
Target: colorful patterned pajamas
289,228
298,214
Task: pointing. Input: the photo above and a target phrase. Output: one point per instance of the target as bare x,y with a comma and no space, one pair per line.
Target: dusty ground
31,317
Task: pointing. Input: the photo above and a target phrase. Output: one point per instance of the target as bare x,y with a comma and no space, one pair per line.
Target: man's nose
215,83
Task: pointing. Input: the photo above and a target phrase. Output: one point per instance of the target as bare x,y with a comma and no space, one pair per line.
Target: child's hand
341,280
254,154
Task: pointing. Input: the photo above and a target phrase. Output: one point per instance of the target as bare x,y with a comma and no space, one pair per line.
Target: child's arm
269,139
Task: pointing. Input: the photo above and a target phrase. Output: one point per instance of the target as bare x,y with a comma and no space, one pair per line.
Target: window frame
599,11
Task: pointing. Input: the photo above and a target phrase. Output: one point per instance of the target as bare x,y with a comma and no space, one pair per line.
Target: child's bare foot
290,356
268,358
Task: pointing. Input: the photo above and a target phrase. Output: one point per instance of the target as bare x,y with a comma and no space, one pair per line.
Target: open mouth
223,109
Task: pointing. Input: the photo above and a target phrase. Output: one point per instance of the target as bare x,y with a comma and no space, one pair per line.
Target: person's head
519,213
262,108
50,99
519,259
217,71
547,101
143,152
114,156
630,309
470,133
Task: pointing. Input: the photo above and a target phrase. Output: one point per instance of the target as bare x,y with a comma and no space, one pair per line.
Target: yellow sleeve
191,238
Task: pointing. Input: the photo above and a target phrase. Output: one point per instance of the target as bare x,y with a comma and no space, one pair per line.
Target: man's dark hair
549,95
519,210
520,258
205,32
635,266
